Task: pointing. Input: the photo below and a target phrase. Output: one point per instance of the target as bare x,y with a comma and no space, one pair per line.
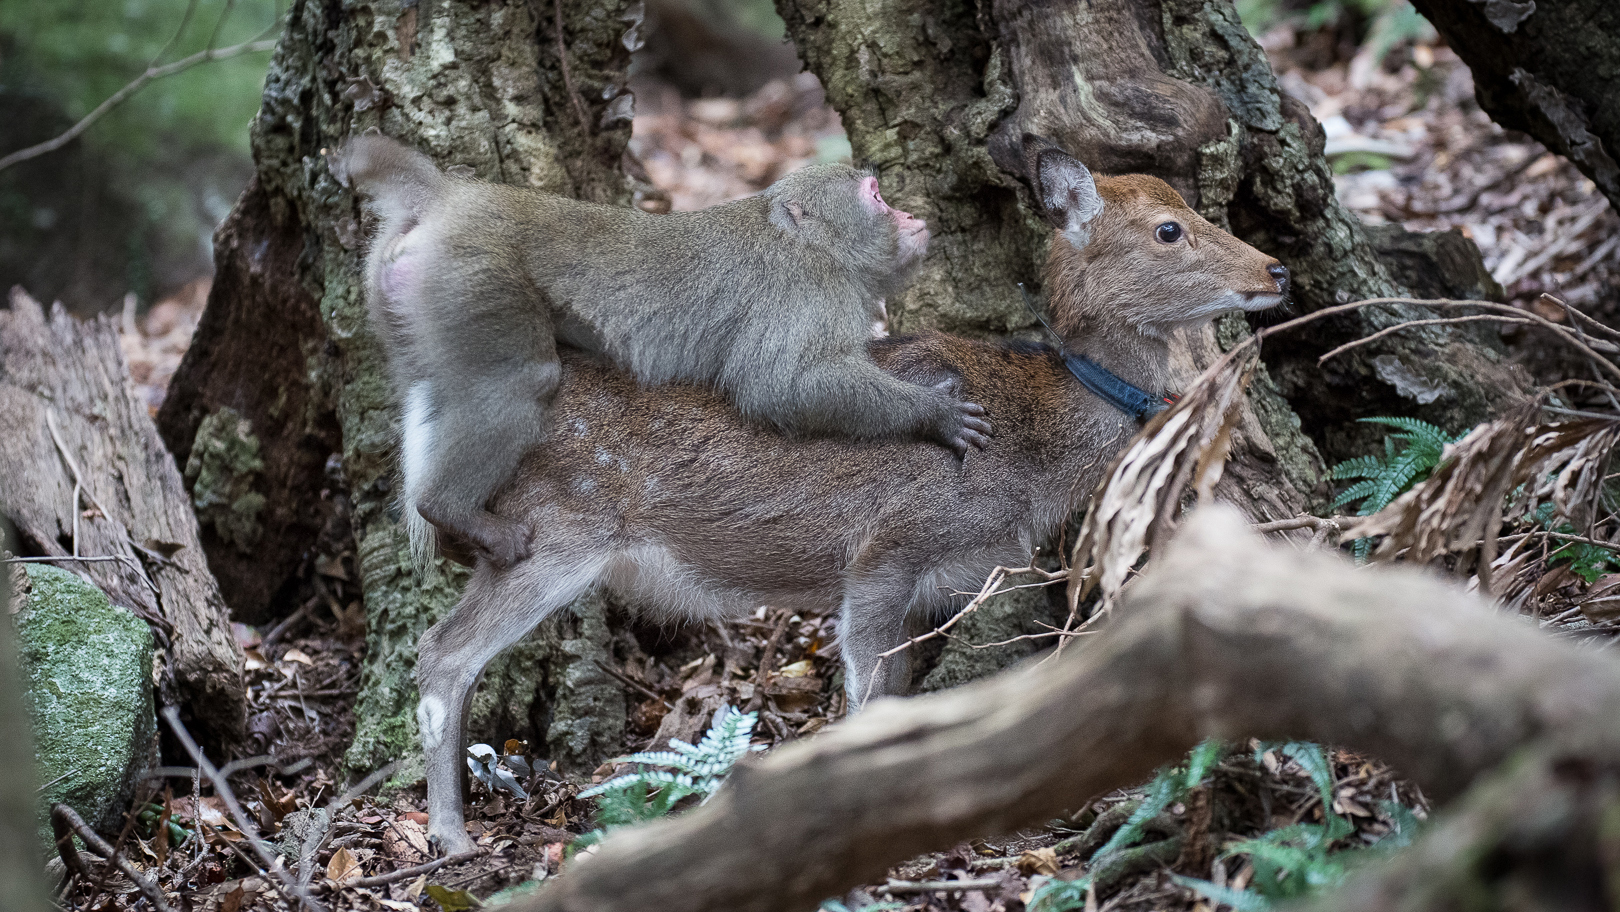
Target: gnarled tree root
1225,637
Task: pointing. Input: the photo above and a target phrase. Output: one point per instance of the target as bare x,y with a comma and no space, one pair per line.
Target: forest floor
1413,148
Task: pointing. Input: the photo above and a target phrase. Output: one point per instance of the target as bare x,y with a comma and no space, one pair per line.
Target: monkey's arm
847,395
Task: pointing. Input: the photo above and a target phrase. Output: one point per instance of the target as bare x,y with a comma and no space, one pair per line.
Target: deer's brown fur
669,500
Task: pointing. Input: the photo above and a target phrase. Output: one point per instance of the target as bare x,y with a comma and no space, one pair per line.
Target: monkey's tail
414,454
391,174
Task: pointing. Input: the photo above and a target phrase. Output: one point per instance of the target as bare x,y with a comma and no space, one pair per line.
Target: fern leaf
1358,491
1241,900
1313,759
1359,467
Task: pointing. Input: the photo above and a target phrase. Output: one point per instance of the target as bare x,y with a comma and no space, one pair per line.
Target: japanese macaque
669,501
769,299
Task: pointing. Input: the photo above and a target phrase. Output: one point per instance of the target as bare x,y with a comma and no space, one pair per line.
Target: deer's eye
1168,233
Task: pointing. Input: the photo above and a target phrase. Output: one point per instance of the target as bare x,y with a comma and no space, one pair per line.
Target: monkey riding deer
770,299
669,500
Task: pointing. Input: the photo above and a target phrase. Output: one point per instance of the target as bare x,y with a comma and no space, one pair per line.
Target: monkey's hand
963,425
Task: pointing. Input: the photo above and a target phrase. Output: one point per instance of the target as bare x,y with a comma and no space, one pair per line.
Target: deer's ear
1068,194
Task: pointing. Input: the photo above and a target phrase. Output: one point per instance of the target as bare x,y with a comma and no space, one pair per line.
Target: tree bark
284,341
1550,68
938,94
83,472
1222,637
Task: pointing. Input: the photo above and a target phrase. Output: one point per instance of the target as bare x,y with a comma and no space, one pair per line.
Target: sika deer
667,499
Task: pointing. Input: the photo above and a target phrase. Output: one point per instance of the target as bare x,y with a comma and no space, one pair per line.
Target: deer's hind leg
497,609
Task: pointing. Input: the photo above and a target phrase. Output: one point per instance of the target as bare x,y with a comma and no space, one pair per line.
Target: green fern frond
1358,491
1410,455
689,769
1241,900
1359,467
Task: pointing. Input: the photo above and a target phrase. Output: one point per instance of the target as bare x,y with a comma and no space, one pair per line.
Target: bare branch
135,85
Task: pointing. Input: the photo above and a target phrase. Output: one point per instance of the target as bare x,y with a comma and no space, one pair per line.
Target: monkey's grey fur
771,299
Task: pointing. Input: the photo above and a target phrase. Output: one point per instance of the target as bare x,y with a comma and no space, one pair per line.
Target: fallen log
83,474
1224,636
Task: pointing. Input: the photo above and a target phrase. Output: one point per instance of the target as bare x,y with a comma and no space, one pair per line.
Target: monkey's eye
1168,233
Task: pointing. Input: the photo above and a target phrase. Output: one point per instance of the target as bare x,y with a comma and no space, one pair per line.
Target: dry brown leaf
406,842
343,866
1136,503
1501,471
1602,601
1037,861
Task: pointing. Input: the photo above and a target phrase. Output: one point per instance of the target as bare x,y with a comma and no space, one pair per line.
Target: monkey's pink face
913,230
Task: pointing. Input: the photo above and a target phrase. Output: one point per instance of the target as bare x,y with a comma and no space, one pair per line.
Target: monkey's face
912,231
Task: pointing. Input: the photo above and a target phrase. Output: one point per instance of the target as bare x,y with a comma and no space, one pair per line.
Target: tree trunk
1550,68
83,473
285,341
938,94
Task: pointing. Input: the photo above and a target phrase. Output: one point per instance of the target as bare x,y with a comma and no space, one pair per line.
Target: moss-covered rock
87,666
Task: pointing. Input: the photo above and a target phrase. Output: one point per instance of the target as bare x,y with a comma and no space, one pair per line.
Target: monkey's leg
497,609
870,623
852,397
480,428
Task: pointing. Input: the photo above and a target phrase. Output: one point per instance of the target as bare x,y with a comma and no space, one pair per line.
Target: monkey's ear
787,214
1068,194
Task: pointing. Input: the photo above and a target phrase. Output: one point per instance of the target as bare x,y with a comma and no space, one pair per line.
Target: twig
1054,632
767,662
275,874
1571,236
286,623
1562,332
383,880
1437,321
65,822
135,85
568,76
904,887
628,681
1299,522
71,558
328,816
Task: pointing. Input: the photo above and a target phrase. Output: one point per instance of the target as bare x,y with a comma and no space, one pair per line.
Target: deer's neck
1140,360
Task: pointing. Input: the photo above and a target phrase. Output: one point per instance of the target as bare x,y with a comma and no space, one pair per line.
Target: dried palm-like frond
1137,501
1501,471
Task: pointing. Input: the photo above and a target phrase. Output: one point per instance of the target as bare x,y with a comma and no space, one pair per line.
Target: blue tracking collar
1133,401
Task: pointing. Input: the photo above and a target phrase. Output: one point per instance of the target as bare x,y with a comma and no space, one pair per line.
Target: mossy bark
1175,88
938,95
497,88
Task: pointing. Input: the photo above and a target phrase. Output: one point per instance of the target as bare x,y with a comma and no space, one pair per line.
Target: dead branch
80,436
273,871
1224,637
66,823
135,85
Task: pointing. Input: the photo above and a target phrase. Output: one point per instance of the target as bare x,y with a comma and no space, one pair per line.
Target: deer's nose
1280,273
